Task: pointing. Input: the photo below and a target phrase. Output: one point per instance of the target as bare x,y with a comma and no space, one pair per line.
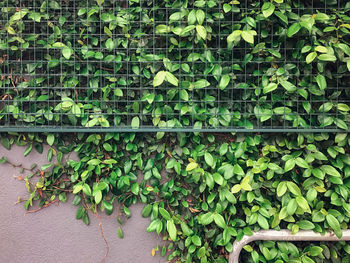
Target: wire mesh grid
135,65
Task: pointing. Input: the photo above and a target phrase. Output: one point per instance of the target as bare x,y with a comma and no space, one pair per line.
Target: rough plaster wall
54,235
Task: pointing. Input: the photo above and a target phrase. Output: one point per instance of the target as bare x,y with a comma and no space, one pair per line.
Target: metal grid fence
91,65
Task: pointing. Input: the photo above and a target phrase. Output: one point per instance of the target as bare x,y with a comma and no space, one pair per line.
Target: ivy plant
203,191
175,64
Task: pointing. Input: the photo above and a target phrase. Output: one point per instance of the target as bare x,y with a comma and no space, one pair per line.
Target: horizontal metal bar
283,235
155,129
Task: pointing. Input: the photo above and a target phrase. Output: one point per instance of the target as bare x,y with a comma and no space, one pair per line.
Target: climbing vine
203,191
182,64
175,64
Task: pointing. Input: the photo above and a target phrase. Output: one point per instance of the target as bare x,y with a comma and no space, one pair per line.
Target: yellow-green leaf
159,78
201,31
236,188
191,166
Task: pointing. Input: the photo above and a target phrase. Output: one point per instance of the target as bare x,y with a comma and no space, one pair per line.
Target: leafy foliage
200,64
165,64
203,191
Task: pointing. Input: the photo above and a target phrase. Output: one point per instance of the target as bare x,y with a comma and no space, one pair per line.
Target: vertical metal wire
87,58
8,114
259,125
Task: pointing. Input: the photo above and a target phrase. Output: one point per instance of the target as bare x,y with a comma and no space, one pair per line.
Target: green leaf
207,218
183,95
209,159
19,14
201,31
248,36
263,223
6,143
345,48
159,78
311,195
267,9
80,212
237,169
341,124
81,11
87,189
196,240
315,251
219,220
302,203
321,82
77,188
293,188
321,49
98,196
135,188
186,30
67,52
270,87
109,33
236,188
11,31
28,150
120,233
292,207
281,16
281,188
293,29
327,57
200,15
318,217
306,259
227,8
330,170
290,164
50,139
53,63
321,17
225,80
94,162
35,16
54,5
165,214
171,78
146,211
223,149
234,36
191,166
311,57
100,2
201,254
202,83
218,178
109,44
332,222
288,86
301,163
245,183
343,107
305,225
135,122
171,228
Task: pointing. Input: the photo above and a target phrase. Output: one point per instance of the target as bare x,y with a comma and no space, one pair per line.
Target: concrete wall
54,235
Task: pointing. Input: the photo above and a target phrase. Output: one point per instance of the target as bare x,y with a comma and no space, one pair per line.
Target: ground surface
54,235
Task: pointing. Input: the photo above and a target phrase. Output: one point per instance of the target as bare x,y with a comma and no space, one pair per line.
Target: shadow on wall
54,235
